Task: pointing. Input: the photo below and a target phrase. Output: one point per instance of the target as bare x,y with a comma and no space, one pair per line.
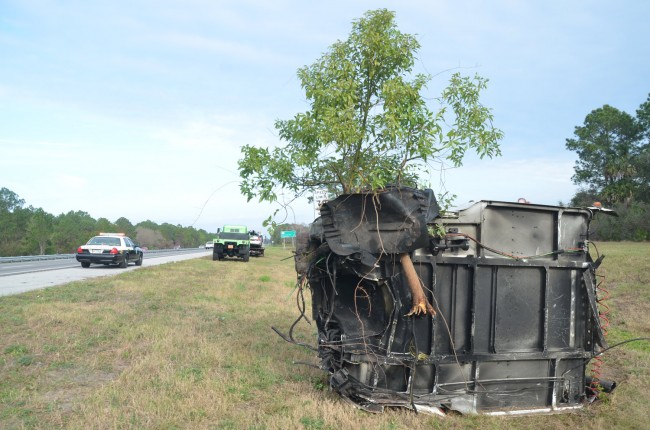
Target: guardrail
26,258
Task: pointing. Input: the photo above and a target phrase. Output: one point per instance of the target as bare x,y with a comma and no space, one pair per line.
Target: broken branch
421,305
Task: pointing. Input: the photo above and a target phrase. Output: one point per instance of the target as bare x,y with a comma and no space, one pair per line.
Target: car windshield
234,236
102,240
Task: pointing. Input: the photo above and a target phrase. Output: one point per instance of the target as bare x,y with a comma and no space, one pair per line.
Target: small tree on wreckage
368,137
369,126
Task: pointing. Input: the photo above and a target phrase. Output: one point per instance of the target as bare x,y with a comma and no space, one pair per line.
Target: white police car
110,248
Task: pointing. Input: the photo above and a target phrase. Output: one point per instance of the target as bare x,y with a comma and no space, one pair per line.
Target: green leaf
369,123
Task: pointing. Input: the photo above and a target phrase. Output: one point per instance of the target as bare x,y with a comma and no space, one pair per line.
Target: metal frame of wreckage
512,286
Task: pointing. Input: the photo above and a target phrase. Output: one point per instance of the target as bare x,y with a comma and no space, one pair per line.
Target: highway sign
287,234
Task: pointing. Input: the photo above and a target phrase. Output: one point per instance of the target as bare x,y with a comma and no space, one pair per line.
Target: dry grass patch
190,345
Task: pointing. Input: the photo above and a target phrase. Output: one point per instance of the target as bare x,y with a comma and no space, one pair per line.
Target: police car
110,248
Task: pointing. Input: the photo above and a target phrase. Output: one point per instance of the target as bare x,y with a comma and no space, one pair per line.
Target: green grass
189,346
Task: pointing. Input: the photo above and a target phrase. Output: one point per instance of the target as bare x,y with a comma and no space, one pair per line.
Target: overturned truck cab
491,309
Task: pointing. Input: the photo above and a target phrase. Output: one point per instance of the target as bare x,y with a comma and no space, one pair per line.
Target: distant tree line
613,168
33,231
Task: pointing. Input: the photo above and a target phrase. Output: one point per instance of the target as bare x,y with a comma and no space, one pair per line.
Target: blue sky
139,108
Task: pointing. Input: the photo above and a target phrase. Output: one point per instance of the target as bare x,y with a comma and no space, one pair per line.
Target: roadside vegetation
613,168
33,231
190,345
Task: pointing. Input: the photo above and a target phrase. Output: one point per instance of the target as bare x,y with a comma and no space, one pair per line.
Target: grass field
189,345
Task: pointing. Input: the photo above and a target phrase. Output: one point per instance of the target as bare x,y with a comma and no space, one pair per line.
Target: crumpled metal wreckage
512,317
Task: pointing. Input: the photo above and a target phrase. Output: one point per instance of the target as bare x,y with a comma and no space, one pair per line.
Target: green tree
642,168
148,224
34,231
13,221
71,230
9,201
607,145
632,223
39,230
171,233
125,226
104,225
642,162
643,119
369,125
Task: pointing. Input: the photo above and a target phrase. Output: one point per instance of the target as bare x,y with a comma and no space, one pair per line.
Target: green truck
232,241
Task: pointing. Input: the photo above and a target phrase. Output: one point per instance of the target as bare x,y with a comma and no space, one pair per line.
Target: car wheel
246,257
138,262
125,262
85,264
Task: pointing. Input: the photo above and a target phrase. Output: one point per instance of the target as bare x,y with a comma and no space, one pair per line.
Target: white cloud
539,180
171,91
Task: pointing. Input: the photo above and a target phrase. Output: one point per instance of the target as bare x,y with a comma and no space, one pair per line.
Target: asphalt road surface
33,275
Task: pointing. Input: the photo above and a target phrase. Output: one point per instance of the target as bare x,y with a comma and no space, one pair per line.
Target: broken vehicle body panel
512,286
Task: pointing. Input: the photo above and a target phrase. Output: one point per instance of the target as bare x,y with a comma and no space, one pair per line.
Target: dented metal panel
512,290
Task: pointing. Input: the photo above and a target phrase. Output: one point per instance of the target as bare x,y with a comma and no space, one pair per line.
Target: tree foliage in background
369,125
607,145
32,231
13,219
275,232
632,223
642,161
613,167
39,230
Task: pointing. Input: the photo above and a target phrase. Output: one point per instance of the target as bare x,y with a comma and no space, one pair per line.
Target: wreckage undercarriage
511,318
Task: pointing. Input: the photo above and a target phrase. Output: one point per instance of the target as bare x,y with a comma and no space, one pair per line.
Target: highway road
18,277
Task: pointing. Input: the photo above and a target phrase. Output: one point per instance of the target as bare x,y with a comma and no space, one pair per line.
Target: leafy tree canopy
612,154
643,118
369,125
9,201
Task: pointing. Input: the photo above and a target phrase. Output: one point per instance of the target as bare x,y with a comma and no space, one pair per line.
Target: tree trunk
421,305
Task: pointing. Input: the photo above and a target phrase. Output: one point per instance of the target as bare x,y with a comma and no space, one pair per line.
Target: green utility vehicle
232,241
